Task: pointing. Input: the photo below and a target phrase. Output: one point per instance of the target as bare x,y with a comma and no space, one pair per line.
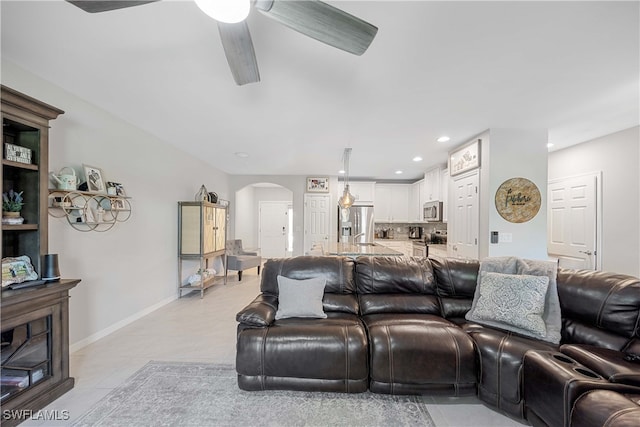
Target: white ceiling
454,68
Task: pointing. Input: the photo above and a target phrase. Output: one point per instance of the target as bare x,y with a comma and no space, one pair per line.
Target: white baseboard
121,324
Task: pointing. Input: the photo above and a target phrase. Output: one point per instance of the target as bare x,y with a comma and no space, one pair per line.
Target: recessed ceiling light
398,172
342,171
443,138
242,154
417,159
549,144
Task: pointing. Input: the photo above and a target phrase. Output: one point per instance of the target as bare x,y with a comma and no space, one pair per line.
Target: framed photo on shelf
116,189
465,158
117,205
318,185
94,177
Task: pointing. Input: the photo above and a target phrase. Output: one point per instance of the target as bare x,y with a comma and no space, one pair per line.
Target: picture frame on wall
318,184
94,177
465,158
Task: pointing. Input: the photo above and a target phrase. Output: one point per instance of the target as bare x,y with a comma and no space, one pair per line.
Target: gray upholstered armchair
239,259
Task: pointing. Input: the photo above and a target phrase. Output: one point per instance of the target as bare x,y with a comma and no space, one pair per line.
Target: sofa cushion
337,271
300,298
396,285
511,302
600,308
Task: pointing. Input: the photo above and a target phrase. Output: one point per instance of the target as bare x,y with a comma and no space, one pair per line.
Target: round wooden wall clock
518,200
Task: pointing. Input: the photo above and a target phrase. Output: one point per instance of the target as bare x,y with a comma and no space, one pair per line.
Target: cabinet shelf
28,166
19,227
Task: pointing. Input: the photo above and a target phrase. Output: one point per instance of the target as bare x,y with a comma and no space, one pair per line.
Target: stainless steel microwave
432,212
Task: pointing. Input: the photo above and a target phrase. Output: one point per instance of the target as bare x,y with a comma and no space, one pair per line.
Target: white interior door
572,221
466,217
317,221
274,229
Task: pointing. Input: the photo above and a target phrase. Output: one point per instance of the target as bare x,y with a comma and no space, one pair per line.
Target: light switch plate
506,237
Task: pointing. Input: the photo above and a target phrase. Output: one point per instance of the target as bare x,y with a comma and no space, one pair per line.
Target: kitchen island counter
355,250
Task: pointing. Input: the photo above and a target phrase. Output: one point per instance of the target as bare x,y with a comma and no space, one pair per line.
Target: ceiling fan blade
238,48
322,22
94,6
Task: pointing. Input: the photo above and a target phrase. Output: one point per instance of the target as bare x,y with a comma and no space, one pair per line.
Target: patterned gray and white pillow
514,302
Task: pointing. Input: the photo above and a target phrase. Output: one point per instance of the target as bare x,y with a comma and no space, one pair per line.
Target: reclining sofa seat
600,323
413,349
304,353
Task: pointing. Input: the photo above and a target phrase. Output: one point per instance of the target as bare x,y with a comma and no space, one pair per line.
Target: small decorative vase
12,218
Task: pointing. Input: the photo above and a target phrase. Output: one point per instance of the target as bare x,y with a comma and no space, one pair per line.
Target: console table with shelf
35,347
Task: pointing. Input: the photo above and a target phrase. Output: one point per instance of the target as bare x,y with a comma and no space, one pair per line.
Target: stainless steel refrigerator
355,225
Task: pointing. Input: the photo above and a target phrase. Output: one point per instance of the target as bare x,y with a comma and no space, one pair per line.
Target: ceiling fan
312,18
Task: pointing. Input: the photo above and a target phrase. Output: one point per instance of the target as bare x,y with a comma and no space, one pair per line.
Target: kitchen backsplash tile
400,231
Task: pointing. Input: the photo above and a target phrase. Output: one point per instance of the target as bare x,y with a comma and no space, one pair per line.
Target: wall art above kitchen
465,158
518,200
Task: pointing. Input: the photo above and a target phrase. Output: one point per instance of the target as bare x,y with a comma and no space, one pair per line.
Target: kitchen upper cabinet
432,179
392,203
416,201
363,191
445,195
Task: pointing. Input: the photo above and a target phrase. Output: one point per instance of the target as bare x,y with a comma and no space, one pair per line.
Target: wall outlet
506,237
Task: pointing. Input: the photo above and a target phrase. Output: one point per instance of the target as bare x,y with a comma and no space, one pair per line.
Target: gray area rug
197,394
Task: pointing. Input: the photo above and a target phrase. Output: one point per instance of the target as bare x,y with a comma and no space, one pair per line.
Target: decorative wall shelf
89,211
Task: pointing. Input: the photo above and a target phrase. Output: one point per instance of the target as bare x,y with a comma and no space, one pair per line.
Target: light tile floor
202,330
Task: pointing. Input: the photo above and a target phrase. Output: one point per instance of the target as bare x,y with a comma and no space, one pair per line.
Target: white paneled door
274,229
572,221
317,221
466,217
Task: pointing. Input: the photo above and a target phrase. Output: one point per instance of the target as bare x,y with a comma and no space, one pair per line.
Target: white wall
515,153
245,217
617,156
131,269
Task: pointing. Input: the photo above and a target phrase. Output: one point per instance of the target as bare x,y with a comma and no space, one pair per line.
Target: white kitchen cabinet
445,194
432,179
363,191
392,203
416,201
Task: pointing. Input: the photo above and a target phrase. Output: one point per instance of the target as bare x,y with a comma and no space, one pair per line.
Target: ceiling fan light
229,11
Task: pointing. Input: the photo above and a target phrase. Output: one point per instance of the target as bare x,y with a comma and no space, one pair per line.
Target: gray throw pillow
300,298
511,302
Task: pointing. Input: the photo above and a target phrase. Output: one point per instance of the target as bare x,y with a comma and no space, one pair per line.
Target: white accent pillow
300,298
513,302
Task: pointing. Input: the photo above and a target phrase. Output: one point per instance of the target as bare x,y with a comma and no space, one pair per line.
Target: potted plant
12,203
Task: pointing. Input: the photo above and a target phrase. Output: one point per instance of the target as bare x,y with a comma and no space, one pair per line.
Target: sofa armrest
611,364
260,313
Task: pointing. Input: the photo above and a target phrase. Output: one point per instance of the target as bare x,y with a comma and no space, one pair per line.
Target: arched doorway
263,219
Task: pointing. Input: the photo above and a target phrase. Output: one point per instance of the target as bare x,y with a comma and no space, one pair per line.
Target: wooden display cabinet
35,320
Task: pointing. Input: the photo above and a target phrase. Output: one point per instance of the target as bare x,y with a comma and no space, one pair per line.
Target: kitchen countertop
370,249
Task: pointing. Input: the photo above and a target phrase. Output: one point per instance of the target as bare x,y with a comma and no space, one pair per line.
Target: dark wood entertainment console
35,324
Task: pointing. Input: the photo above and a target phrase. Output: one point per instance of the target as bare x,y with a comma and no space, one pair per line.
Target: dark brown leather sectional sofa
398,326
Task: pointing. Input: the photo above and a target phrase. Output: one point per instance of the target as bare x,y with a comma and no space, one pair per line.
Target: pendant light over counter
346,200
